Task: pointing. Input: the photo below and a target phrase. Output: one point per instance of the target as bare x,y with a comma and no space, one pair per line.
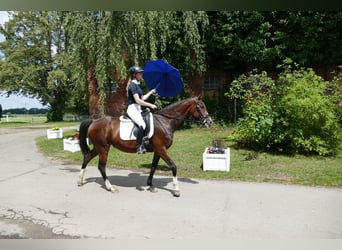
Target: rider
136,99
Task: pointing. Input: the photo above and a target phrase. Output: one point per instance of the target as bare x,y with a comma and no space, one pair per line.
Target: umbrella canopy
163,77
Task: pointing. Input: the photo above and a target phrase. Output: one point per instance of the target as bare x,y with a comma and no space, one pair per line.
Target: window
110,86
211,82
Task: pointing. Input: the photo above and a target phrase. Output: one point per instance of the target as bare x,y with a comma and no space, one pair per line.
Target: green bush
334,91
308,114
255,128
293,116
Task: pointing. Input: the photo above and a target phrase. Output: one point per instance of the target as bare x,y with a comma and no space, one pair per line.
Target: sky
14,101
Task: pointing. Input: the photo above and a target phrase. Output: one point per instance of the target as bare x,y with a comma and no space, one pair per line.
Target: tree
309,38
243,40
104,44
238,39
33,65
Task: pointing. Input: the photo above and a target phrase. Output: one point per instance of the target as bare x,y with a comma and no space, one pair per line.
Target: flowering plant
75,136
54,128
217,147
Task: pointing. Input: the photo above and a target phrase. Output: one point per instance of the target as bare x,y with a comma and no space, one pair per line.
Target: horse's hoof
80,183
176,193
114,190
152,189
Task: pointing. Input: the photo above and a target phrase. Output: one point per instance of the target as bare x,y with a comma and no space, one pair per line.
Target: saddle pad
127,126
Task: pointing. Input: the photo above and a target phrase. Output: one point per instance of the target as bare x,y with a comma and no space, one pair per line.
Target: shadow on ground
138,181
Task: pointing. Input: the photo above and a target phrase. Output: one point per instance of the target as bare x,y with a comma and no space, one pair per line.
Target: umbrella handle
156,94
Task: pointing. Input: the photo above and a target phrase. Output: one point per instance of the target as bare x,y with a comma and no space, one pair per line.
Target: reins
198,109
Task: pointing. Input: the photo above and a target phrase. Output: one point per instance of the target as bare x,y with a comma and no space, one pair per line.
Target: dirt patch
277,177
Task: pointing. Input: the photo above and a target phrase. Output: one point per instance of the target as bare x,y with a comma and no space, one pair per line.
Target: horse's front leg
153,169
176,191
172,165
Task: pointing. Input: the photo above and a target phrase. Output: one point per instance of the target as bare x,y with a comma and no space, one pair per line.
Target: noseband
202,118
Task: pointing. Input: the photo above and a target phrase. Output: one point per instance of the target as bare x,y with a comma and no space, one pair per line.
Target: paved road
39,198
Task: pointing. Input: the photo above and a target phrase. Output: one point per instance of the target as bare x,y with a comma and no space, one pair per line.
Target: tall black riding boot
140,147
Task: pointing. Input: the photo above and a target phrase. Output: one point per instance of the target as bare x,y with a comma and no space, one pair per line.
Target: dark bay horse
105,132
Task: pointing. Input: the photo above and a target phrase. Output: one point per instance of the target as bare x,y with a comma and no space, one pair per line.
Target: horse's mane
172,106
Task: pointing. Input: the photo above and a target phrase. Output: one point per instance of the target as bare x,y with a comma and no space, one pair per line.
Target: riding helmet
135,69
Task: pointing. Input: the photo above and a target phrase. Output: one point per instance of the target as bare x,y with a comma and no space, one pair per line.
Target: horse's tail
83,133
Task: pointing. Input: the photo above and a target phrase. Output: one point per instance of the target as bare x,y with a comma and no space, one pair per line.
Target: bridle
202,118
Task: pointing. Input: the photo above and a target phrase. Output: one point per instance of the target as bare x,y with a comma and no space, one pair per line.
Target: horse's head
199,112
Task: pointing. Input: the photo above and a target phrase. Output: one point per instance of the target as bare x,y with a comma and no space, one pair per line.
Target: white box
219,162
71,145
54,134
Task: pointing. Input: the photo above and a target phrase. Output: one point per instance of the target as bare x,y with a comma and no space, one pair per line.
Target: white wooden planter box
54,134
71,145
218,162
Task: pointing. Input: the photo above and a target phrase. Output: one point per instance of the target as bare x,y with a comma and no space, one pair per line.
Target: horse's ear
199,97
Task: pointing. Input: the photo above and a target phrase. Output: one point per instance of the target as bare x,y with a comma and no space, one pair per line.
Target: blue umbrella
163,77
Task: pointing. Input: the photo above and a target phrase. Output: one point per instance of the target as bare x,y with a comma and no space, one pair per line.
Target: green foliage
241,40
258,92
307,114
334,92
112,41
32,64
294,116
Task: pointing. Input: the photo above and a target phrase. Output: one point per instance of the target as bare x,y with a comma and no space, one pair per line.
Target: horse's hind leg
86,159
102,168
153,169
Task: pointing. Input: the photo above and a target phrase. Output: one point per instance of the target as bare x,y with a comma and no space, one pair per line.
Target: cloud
3,18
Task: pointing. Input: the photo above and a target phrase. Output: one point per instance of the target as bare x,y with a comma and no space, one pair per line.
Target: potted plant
216,157
54,133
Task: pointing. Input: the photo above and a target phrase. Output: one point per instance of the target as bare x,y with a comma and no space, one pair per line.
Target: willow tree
104,44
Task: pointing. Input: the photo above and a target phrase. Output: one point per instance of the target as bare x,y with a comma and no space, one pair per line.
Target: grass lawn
245,165
21,120
32,120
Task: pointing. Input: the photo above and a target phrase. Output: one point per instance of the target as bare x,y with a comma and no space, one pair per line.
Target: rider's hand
153,106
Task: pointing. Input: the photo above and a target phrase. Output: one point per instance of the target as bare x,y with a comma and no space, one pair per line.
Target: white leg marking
80,177
175,184
110,187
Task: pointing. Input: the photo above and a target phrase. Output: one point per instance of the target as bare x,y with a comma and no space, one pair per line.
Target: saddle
129,130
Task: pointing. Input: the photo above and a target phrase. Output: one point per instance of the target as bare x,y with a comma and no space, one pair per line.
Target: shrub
307,114
334,91
294,116
257,91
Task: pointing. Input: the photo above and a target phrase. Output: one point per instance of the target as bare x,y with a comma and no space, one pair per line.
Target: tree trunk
94,96
115,102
